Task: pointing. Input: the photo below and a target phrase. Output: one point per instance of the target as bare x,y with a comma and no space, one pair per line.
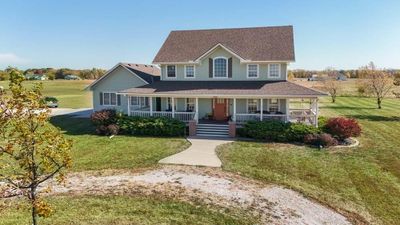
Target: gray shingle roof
256,44
237,88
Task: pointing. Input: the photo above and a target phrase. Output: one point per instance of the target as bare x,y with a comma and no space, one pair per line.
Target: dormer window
220,67
171,71
274,70
252,71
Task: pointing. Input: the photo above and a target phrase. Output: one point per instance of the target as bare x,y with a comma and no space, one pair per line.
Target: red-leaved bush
104,117
325,140
343,128
105,122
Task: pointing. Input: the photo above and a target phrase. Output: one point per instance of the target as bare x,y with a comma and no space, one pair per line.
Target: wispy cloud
12,59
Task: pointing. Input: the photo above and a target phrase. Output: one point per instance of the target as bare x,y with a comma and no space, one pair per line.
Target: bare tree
377,82
332,86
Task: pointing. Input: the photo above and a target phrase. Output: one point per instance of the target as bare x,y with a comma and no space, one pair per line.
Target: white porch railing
303,116
183,116
244,117
281,117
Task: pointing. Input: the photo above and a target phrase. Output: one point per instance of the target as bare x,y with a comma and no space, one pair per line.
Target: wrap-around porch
229,108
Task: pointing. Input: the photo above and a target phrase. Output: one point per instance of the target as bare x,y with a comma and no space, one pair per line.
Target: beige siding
239,71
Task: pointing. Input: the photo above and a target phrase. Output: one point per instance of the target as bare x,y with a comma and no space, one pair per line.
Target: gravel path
273,204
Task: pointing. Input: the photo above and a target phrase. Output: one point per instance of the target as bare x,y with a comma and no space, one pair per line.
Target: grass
70,93
93,152
85,210
361,181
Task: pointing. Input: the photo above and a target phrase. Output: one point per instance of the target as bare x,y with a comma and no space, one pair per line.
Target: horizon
67,36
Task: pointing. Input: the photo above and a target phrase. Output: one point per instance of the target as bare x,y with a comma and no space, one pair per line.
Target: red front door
219,109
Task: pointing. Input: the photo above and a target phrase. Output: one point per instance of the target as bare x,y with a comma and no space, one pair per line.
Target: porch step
213,130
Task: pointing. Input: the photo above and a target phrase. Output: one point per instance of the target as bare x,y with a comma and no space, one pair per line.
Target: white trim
194,72
258,71
166,72
227,65
223,95
261,108
279,69
215,47
109,72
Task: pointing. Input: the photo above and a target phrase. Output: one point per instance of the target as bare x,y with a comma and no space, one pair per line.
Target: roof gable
251,44
147,73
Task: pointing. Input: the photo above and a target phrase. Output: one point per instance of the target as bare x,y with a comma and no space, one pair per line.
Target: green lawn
70,93
94,152
363,180
85,210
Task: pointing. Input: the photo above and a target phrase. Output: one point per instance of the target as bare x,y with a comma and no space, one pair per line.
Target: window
274,70
139,102
252,105
190,102
252,71
110,98
189,71
273,105
220,67
171,71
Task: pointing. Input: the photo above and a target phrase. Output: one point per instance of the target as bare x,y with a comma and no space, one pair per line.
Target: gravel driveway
273,204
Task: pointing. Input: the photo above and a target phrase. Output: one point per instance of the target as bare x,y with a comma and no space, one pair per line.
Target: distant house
36,77
71,77
341,77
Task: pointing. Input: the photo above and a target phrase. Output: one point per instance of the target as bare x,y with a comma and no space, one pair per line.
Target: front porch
236,109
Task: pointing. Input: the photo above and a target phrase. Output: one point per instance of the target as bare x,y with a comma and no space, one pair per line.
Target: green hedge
277,131
151,126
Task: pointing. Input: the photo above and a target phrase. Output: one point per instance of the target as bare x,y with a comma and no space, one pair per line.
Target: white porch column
287,110
196,115
173,106
151,106
234,110
316,112
261,109
129,105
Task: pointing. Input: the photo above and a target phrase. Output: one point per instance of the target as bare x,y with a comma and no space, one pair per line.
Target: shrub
323,139
297,131
151,126
266,130
342,128
111,129
104,117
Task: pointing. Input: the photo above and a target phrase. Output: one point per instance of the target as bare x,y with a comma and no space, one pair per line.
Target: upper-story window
252,71
220,67
189,71
171,71
274,70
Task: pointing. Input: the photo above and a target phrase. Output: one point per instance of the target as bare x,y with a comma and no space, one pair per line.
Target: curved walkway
200,153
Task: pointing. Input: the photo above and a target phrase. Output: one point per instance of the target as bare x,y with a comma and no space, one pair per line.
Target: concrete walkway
200,153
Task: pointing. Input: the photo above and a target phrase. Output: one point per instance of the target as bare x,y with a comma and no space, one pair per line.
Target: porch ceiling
225,88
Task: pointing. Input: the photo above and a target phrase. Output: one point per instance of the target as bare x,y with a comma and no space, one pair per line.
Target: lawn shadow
72,125
375,118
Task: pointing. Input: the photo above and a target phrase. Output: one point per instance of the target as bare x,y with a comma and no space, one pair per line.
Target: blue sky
85,34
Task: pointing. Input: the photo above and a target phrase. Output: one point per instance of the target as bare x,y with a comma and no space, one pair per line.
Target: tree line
52,74
356,73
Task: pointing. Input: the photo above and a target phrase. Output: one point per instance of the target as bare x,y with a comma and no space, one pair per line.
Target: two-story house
212,77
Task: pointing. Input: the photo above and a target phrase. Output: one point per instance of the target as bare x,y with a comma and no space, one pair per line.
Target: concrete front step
212,130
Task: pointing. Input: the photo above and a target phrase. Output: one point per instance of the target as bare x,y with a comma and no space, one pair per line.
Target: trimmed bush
324,139
104,117
111,129
266,130
297,131
342,128
151,126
